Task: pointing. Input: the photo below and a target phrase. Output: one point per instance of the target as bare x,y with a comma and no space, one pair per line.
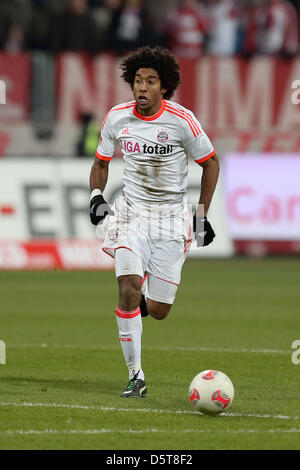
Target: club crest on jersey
162,136
113,234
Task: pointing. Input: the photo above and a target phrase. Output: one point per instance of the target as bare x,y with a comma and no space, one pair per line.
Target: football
211,392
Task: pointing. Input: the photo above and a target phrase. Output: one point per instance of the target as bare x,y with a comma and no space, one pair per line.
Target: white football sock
130,334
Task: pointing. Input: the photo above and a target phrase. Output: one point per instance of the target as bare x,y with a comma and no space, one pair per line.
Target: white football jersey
155,150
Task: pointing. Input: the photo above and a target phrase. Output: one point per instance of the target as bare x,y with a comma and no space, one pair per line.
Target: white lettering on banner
244,108
123,91
12,256
235,95
83,255
52,254
296,94
41,261
105,84
242,105
76,94
289,116
231,94
16,255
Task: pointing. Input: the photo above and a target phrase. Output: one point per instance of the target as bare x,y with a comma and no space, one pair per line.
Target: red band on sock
132,314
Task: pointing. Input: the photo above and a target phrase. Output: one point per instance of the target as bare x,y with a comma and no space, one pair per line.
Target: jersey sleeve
107,143
196,143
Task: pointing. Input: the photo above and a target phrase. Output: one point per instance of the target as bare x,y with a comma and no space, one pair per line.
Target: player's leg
129,291
164,274
160,297
158,310
129,271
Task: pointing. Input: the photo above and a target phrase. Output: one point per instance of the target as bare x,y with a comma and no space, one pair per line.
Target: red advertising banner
244,105
53,254
15,72
15,75
260,248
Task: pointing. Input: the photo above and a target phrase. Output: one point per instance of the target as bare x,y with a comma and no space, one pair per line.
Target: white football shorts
153,240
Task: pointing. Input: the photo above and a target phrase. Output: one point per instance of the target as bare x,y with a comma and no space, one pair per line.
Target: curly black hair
157,58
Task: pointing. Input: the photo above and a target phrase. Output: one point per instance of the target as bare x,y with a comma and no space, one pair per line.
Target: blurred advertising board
243,105
15,72
15,76
53,254
262,194
44,215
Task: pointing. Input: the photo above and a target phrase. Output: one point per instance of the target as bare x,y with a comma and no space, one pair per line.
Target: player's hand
99,209
204,233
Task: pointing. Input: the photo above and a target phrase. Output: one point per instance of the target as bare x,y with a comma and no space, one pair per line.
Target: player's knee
158,310
159,315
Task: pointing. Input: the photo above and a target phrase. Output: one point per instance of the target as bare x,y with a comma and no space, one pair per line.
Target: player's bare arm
99,174
209,180
204,233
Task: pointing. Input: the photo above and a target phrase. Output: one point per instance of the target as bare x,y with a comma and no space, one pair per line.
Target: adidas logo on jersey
125,131
136,147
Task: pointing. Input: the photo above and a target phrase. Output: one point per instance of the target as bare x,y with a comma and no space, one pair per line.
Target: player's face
147,91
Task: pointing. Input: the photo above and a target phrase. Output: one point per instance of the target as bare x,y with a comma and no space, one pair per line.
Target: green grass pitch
64,371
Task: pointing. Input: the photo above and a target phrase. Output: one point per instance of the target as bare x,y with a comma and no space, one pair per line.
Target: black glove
204,233
99,209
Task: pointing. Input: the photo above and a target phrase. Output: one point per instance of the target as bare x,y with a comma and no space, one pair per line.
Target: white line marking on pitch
152,348
144,431
140,410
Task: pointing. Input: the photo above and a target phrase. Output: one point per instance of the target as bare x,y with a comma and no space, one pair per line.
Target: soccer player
148,230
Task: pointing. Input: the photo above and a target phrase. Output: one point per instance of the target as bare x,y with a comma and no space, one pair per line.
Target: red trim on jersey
121,246
184,113
170,282
187,117
187,245
201,160
132,314
150,118
144,278
102,157
105,248
188,242
130,104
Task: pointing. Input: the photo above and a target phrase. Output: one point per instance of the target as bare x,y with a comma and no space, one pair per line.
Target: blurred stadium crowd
189,28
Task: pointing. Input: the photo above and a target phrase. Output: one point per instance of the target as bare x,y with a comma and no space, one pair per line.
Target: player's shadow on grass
27,385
